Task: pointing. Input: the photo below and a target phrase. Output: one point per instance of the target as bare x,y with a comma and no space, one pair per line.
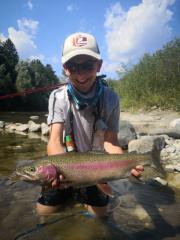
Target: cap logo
79,41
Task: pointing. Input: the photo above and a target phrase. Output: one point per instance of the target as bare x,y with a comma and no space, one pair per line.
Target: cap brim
77,52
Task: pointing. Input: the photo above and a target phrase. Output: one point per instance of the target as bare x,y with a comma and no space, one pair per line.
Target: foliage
18,76
154,81
8,60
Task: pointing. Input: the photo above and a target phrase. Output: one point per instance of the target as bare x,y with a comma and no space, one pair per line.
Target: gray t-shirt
83,120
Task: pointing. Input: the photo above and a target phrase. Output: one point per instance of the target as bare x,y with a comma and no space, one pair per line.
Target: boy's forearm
111,144
54,148
112,149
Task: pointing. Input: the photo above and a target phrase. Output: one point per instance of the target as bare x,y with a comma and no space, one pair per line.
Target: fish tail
156,160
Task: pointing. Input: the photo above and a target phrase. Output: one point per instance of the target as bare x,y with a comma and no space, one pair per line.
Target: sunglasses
80,67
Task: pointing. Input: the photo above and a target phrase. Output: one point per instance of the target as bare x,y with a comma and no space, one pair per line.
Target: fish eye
32,169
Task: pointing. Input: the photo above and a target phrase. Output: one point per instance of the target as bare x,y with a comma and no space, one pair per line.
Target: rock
146,144
21,133
161,181
44,138
126,134
34,117
177,168
2,124
11,127
34,127
171,153
175,123
33,135
173,132
173,180
169,168
154,108
177,145
44,129
22,128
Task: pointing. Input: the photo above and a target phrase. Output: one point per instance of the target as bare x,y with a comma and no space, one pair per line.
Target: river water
137,211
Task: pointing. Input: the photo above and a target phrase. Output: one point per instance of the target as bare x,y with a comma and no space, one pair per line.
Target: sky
125,30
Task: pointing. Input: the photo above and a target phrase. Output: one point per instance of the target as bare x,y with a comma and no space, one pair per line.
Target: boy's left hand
136,172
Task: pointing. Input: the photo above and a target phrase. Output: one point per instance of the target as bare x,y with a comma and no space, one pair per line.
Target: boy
88,112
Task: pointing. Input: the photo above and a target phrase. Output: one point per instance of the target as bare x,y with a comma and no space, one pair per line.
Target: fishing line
42,225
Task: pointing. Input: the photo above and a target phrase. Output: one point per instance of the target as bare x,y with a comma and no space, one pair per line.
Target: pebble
169,168
177,168
34,117
161,181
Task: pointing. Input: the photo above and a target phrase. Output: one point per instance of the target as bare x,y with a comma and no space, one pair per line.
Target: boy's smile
82,71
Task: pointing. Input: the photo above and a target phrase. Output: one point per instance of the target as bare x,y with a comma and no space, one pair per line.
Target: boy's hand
58,183
136,172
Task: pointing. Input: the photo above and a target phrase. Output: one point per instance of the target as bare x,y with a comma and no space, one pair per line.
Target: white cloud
143,28
2,37
72,7
23,37
30,4
23,42
41,57
110,68
28,25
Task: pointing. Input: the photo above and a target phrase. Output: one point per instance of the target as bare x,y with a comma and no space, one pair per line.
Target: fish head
39,173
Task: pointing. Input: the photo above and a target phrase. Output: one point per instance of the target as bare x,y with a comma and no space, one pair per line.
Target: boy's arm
111,144
55,143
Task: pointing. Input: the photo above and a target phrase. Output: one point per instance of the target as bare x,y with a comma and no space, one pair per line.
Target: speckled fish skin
83,169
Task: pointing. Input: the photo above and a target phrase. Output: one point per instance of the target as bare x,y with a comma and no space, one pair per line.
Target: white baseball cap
80,44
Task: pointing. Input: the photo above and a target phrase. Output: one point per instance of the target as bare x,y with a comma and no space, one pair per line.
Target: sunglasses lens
80,67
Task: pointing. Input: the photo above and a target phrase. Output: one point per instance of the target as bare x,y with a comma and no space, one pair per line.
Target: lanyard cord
69,128
96,111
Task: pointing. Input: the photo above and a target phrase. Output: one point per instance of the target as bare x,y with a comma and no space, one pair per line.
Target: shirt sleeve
113,120
56,108
112,111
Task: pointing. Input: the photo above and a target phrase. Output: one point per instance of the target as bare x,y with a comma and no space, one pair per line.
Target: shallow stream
138,211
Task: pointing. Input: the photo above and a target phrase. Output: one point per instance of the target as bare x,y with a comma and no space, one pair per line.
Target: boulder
33,135
146,144
173,180
2,124
171,132
175,123
34,127
34,117
126,133
44,129
22,128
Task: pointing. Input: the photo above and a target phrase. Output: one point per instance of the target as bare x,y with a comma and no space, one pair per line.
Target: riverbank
150,120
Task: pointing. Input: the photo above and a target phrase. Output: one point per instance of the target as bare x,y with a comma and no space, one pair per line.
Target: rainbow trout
84,169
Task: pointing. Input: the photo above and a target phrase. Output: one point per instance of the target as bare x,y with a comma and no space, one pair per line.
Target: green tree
34,75
24,76
8,61
155,80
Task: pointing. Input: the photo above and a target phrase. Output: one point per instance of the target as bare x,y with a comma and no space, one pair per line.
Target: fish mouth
25,176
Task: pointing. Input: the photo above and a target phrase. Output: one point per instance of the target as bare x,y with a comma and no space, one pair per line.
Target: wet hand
59,183
136,172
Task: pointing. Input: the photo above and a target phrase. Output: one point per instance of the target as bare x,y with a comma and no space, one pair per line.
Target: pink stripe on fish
102,165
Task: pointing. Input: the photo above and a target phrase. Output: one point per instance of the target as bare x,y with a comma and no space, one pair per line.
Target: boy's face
81,71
